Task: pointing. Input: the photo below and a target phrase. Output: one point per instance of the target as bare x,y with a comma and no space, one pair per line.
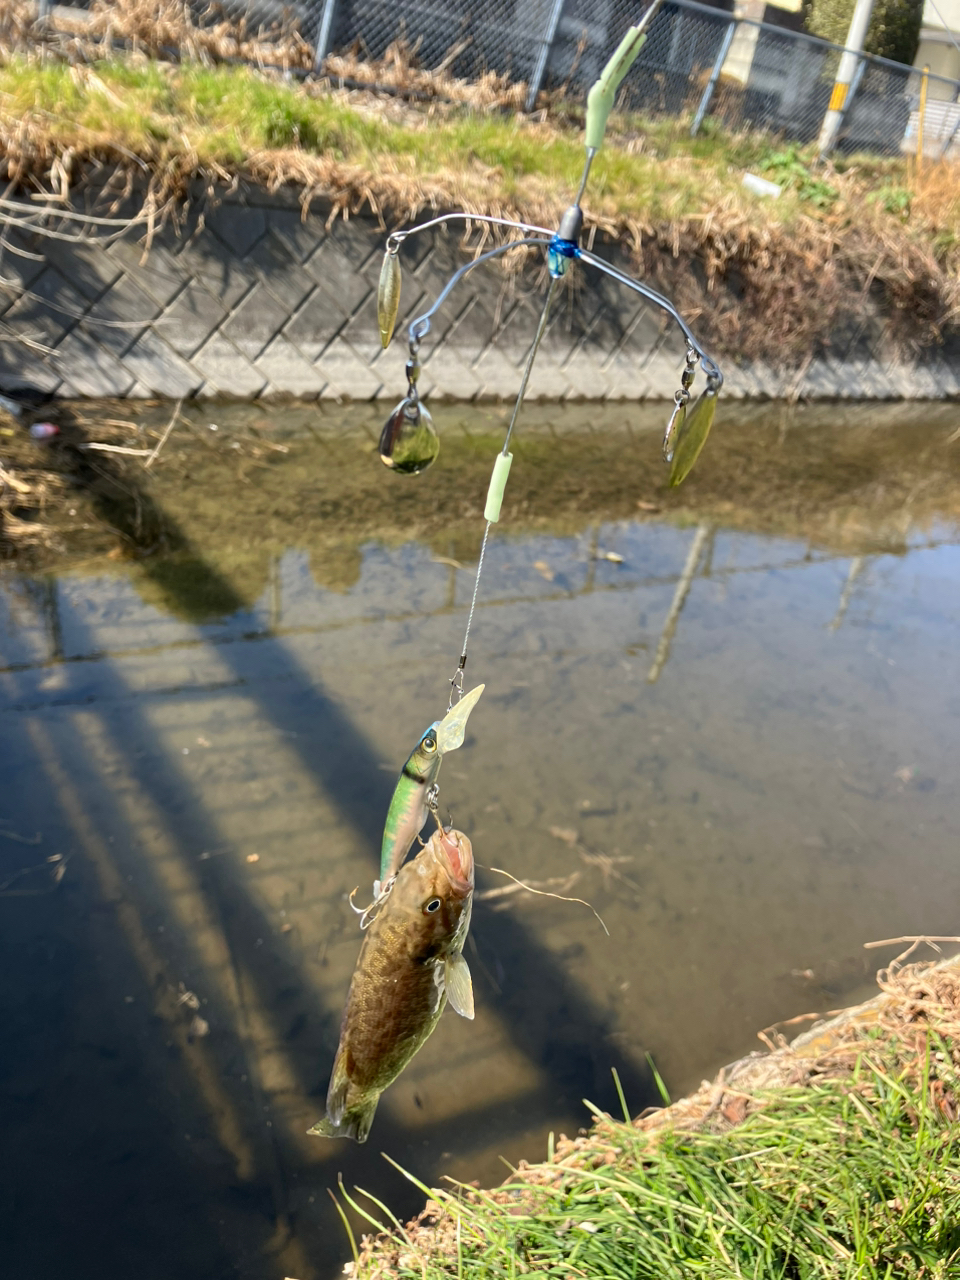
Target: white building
939,46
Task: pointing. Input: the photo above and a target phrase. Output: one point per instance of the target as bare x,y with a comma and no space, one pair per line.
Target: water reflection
214,766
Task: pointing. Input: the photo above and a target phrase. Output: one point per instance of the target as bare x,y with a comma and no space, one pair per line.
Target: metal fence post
325,33
854,86
851,94
721,58
543,57
853,49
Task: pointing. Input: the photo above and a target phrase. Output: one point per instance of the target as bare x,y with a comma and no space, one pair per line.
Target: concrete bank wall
255,302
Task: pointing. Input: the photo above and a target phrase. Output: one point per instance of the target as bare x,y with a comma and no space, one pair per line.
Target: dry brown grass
935,190
157,28
18,27
776,292
772,281
918,1007
28,489
165,29
399,70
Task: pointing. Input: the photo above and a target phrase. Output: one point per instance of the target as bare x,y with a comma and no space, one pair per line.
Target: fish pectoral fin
459,985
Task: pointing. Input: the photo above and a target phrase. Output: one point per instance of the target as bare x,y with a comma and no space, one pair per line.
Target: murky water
199,751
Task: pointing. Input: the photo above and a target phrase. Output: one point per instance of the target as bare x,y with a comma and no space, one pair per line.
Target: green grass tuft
855,1178
224,115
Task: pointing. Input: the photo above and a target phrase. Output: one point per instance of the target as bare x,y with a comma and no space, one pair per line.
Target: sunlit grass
835,235
847,1179
224,116
648,169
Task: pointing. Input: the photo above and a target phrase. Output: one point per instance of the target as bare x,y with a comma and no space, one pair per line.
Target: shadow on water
162,1161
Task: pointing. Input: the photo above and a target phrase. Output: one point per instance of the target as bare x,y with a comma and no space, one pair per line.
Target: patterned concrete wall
259,303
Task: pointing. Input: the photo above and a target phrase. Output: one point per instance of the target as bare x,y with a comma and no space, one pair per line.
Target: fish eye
430,745
432,905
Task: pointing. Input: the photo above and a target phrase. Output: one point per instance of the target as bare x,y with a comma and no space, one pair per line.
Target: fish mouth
458,853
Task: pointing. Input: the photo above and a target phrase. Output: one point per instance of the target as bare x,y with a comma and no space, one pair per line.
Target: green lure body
409,806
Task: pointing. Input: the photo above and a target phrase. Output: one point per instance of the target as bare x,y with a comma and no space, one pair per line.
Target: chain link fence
698,61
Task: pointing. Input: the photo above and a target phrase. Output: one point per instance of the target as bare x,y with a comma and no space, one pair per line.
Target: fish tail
354,1123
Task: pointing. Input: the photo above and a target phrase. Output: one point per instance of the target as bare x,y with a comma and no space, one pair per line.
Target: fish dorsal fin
453,726
459,985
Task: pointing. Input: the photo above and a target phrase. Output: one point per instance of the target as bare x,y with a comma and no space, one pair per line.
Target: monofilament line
528,367
473,604
527,370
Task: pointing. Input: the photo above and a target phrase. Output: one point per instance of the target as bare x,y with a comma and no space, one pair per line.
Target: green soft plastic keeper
498,482
601,96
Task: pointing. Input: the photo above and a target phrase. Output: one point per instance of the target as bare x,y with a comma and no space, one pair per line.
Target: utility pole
849,61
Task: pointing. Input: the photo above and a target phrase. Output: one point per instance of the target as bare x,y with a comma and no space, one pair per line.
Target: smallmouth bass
411,963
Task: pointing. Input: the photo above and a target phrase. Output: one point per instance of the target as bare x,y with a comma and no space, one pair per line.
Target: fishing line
495,491
409,442
456,680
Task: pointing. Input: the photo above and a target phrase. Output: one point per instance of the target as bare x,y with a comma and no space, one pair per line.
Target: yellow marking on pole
924,82
839,96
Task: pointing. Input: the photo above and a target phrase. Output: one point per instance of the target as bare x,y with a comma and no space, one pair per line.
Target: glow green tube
601,96
498,482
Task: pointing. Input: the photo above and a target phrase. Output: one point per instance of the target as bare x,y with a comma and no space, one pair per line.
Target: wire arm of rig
710,367
420,327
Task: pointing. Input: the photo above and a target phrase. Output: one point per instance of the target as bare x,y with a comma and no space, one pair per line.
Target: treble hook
367,914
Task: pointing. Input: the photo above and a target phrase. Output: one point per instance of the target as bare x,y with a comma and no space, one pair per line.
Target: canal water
726,717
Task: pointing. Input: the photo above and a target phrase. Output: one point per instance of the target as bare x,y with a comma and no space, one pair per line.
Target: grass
854,1175
772,279
227,117
218,117
854,1180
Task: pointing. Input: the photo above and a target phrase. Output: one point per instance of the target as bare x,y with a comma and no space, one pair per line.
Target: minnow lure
412,795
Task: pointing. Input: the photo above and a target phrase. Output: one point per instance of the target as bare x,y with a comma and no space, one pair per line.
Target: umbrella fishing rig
409,442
